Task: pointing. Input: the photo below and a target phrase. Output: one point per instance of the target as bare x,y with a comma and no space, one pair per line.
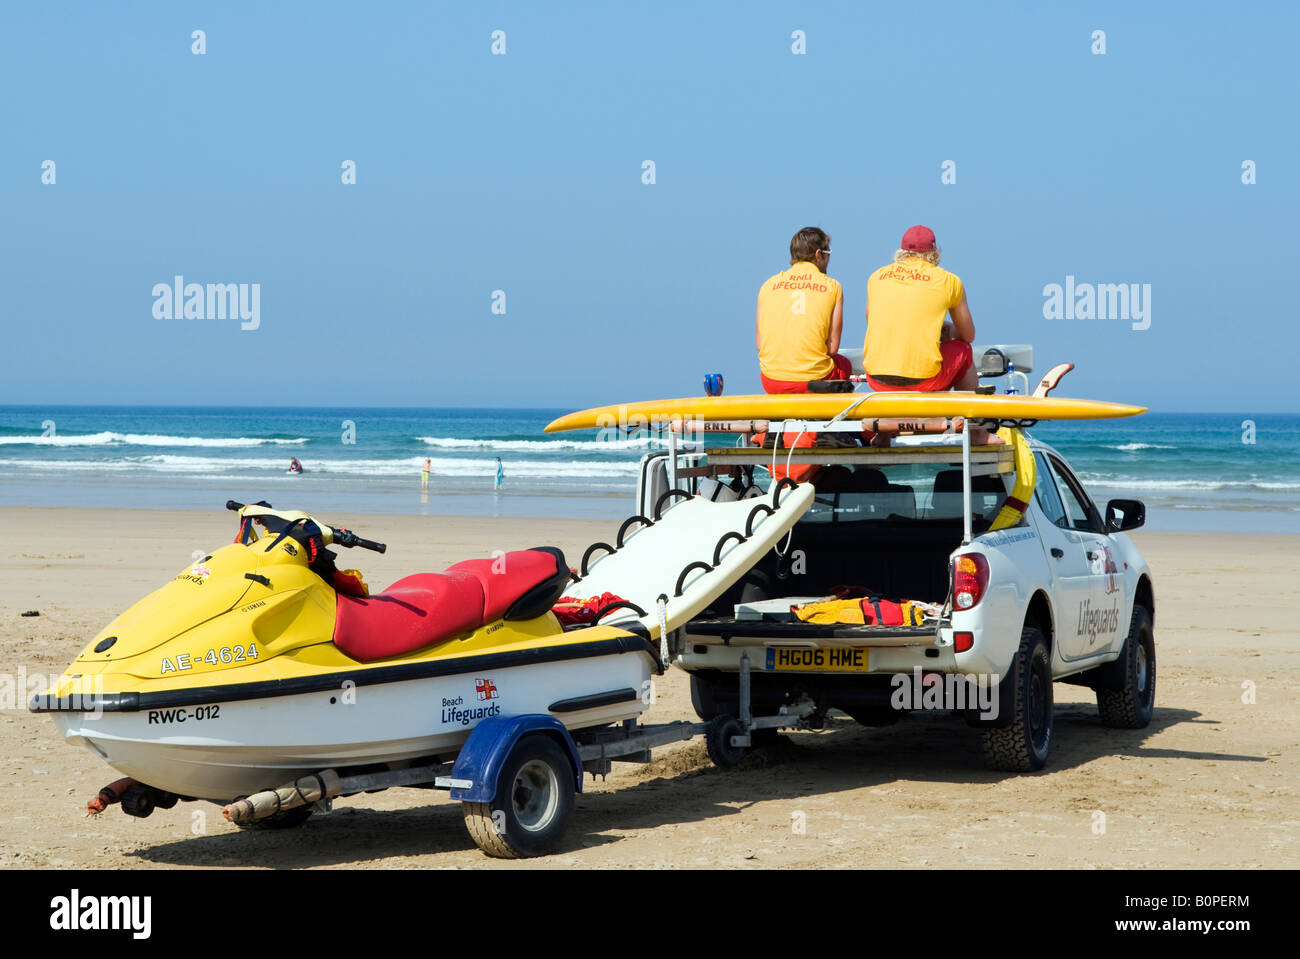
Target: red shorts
843,367
802,473
957,359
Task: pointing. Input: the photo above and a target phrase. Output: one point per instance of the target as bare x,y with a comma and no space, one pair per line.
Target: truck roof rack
985,460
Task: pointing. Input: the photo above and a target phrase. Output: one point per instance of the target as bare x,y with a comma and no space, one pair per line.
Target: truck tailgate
760,632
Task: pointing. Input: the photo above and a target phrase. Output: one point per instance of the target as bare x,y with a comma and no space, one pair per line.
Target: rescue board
827,406
689,556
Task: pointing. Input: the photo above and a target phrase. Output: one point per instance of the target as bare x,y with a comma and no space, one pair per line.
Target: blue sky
523,173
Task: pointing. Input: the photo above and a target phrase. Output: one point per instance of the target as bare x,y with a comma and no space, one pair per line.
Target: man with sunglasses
799,318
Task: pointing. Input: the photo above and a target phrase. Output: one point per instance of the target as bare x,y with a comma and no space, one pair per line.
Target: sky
524,172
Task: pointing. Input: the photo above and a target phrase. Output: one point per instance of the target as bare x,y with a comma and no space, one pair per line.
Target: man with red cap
910,344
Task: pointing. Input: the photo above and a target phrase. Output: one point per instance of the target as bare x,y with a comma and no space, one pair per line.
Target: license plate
782,659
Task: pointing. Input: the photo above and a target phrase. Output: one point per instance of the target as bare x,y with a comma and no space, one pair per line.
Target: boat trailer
515,776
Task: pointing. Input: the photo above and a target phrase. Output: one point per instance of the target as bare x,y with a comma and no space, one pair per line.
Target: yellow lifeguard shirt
906,306
794,323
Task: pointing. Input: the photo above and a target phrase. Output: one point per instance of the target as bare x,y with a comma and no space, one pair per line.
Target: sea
1195,472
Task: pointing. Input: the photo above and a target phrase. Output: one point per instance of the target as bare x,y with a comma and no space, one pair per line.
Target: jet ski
263,662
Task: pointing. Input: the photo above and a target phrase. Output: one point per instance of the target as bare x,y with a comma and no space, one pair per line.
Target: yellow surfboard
825,406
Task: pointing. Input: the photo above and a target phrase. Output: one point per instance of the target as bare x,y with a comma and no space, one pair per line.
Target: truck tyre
1130,705
704,697
534,800
1023,744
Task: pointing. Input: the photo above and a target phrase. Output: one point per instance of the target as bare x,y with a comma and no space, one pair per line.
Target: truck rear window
925,492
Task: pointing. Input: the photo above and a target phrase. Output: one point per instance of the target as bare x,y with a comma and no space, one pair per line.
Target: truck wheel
1130,706
717,740
1023,744
533,802
285,819
704,697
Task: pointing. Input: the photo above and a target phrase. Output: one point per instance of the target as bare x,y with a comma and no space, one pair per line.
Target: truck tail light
970,580
963,641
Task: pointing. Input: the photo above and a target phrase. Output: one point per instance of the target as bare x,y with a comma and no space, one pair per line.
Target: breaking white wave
107,438
173,463
1128,482
545,446
1134,447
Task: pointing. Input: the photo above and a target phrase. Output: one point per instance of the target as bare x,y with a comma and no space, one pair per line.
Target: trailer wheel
1023,744
1131,705
285,819
717,740
534,800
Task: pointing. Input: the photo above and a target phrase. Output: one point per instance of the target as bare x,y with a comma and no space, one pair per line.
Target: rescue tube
1026,478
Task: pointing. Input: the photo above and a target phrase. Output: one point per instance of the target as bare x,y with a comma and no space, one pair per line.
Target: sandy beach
1212,783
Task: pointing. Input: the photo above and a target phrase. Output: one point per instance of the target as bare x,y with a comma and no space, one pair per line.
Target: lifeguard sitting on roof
798,319
910,343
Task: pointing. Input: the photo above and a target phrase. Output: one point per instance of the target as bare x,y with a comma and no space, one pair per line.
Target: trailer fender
481,758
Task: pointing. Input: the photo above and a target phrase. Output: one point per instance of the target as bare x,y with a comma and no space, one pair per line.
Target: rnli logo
1104,565
198,573
485,689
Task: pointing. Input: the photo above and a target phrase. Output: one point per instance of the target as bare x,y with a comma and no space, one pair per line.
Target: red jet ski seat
429,608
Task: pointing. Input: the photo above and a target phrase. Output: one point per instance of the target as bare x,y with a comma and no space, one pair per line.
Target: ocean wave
1128,482
107,438
174,463
544,446
1134,447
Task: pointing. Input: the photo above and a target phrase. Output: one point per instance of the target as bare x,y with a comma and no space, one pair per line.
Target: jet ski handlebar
345,537
338,536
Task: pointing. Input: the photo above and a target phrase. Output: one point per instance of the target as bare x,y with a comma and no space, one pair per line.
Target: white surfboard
656,560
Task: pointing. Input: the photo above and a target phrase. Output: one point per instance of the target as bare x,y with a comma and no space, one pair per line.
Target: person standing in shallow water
424,472
501,475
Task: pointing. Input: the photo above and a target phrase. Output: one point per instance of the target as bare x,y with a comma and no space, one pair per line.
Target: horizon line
348,406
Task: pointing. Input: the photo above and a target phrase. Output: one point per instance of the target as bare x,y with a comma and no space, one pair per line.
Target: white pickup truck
1061,595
